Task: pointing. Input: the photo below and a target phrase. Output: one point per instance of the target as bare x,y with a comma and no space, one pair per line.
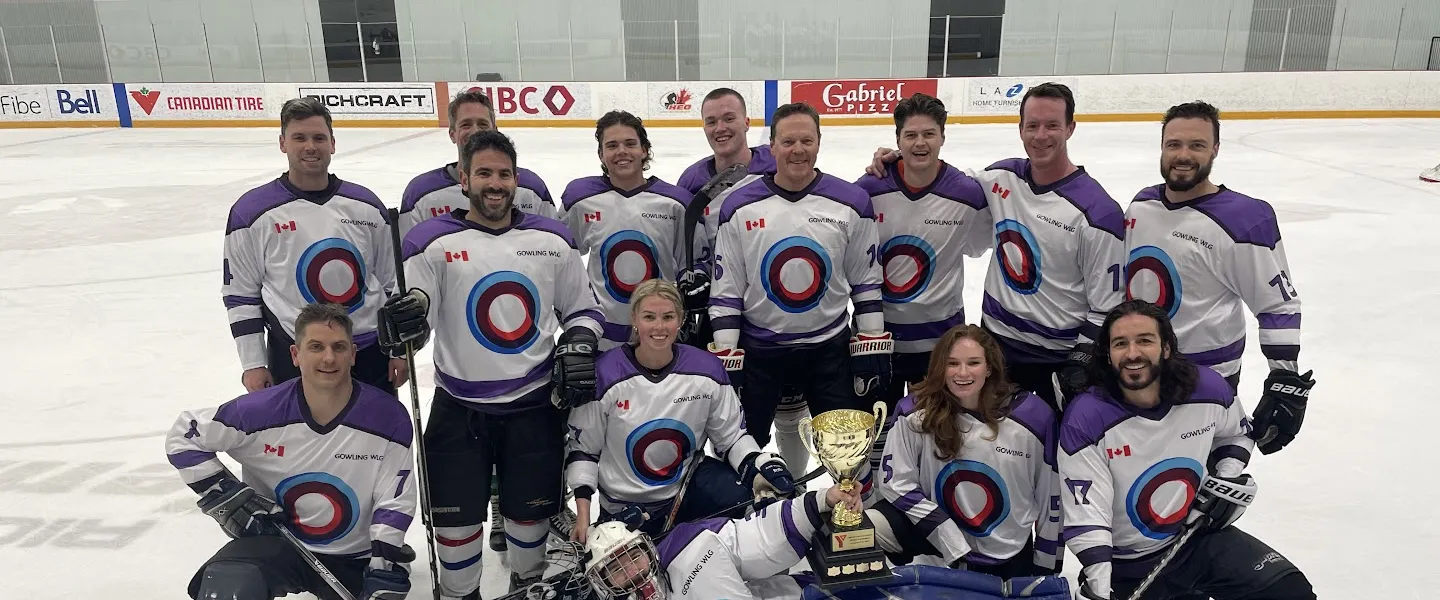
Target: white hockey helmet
624,564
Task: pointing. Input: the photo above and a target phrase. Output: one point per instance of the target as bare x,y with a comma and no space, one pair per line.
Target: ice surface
112,323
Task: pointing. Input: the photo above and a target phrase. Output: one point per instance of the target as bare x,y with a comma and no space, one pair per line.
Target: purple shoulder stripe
611,368
537,222
1102,211
694,361
529,180
422,185
1210,386
1247,220
1087,418
380,414
696,175
363,194
846,193
681,536
581,189
662,188
1018,166
956,185
875,186
256,202
1154,192
426,232
761,160
750,193
263,409
1034,414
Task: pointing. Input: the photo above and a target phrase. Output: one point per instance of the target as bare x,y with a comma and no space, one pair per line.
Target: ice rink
111,321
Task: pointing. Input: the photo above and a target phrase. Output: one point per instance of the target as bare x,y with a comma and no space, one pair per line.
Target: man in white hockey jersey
629,224
713,559
1203,252
495,285
437,192
306,236
323,455
1059,251
793,250
1160,445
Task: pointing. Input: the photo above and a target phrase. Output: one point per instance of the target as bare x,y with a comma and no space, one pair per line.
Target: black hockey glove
573,374
1073,378
633,516
389,583
766,475
1282,409
1221,501
239,510
870,363
402,320
694,286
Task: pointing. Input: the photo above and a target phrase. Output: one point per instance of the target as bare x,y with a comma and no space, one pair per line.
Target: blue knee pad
233,580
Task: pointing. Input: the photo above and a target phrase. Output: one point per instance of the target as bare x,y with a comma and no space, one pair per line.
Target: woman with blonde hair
969,470
657,405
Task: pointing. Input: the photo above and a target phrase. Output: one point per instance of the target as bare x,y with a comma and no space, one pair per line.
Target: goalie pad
927,582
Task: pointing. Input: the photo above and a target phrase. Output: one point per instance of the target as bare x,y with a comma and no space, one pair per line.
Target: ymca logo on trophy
843,553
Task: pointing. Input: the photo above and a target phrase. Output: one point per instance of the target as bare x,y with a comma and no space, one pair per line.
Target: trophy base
847,567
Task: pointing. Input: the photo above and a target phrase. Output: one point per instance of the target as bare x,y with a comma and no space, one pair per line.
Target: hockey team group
1092,407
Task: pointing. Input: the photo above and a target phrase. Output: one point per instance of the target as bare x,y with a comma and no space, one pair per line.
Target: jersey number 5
1282,283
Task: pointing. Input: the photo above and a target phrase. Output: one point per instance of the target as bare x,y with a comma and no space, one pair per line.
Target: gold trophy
843,553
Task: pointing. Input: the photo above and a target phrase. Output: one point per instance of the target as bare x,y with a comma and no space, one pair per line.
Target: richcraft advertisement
199,102
868,97
413,100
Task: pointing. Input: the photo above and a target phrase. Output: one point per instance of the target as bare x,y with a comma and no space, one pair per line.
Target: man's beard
1151,374
477,204
1201,173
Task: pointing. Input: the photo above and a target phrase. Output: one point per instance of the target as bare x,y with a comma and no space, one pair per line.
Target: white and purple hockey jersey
632,444
1059,253
286,248
697,175
788,264
993,498
924,236
1203,262
744,559
494,295
630,237
344,486
1130,474
434,193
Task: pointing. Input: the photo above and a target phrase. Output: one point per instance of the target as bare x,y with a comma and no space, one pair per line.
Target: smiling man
324,455
794,249
1204,252
307,236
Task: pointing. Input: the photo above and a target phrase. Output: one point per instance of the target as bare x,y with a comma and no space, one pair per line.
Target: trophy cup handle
807,435
880,414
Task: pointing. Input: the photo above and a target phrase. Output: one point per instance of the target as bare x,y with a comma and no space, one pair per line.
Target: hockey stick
1165,560
568,584
684,486
694,212
746,504
422,477
314,562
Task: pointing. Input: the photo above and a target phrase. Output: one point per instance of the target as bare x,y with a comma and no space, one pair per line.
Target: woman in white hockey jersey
658,404
714,559
969,470
628,223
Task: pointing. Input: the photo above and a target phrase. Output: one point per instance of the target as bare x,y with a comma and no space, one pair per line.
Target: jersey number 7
1282,283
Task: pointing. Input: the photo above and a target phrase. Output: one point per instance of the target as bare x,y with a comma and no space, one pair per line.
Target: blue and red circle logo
795,273
627,258
320,508
1160,498
332,271
909,264
504,313
1018,256
657,451
1151,276
974,495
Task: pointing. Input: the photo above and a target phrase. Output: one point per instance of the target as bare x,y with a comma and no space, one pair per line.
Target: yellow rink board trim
56,124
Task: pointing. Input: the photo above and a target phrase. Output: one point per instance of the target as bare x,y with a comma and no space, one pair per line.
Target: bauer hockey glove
1221,501
402,321
870,362
694,286
733,360
573,374
767,476
239,510
387,582
1282,409
1073,378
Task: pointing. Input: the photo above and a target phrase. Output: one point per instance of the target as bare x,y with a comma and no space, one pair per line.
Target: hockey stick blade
422,478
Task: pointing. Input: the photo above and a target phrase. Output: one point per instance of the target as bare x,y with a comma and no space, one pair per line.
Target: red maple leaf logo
146,99
683,97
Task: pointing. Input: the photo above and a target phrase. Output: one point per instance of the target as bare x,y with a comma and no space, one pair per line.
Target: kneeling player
659,404
325,456
1156,419
970,427
743,559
